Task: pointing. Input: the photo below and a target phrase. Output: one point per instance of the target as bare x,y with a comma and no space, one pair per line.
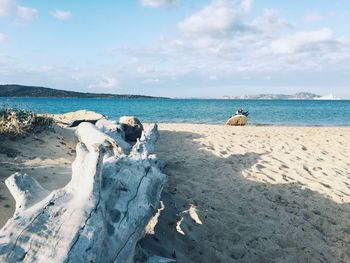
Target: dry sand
234,194
254,194
47,156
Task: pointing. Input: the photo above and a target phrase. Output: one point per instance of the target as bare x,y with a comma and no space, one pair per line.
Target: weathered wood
237,120
98,216
73,119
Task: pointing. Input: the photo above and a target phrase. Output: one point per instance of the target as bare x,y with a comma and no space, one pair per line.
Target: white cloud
109,82
77,74
271,21
27,13
62,15
247,5
10,8
313,18
222,38
303,41
151,80
45,68
216,29
144,70
6,7
222,43
158,3
2,38
106,83
220,17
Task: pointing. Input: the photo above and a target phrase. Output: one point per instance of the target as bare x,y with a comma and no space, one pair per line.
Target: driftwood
98,216
73,119
237,120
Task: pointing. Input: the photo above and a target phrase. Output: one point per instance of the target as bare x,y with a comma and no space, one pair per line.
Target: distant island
296,96
13,90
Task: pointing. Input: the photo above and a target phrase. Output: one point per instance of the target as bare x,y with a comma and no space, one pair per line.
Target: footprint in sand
260,167
211,148
271,178
284,177
283,166
307,169
326,185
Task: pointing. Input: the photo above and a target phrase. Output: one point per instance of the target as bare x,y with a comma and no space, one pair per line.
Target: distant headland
296,96
14,90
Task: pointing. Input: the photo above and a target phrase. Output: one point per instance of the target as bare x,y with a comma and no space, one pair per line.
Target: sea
212,111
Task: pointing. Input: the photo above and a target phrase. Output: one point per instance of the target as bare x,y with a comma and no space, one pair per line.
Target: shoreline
255,125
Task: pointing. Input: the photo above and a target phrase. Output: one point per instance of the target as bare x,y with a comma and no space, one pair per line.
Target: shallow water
275,112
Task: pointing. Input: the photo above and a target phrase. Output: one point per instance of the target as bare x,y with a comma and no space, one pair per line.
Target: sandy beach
47,156
261,194
234,194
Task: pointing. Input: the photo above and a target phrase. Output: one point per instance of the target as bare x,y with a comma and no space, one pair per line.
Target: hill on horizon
295,96
14,90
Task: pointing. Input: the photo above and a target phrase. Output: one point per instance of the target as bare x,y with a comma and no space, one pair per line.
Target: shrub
20,122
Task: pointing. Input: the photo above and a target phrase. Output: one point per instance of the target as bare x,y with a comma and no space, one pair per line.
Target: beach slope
254,194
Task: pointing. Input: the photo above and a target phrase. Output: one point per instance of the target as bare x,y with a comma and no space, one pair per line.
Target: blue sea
269,112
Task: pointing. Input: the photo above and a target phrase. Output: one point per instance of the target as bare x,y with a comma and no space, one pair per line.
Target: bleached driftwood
116,131
98,217
237,120
73,119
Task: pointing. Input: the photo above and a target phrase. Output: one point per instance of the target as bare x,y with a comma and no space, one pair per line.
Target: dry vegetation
20,122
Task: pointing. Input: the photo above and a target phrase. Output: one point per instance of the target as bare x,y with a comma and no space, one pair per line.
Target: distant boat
328,97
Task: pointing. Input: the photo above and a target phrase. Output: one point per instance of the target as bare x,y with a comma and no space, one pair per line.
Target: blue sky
177,48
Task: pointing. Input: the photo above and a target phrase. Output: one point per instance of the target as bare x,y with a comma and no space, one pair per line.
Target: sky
177,48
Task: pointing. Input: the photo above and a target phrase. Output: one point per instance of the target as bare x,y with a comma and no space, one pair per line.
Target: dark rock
132,127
